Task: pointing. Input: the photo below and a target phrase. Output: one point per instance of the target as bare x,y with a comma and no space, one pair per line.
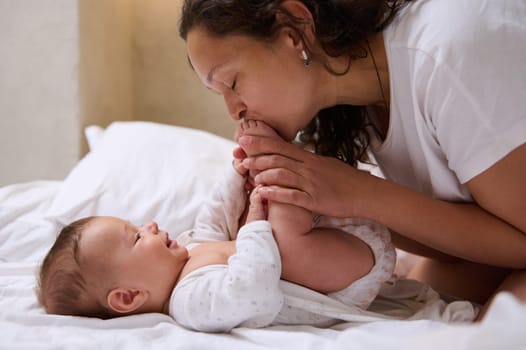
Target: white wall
38,89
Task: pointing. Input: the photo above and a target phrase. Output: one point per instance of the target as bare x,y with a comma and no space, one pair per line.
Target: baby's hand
241,170
257,208
238,166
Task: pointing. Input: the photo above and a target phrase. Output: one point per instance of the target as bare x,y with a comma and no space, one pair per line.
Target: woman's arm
491,231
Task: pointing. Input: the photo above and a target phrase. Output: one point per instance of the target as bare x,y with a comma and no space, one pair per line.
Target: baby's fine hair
62,288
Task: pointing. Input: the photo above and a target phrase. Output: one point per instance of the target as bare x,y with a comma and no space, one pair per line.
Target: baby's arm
244,293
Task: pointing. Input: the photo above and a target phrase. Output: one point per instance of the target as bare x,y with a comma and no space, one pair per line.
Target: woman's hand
294,176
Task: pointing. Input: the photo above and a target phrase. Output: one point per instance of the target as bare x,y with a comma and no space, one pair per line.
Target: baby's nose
151,227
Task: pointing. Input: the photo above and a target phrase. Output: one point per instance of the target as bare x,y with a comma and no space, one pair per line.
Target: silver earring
306,60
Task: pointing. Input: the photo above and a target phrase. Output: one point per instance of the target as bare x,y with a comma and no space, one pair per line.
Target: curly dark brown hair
342,28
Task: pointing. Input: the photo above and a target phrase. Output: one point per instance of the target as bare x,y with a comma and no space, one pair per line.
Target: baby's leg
289,219
323,259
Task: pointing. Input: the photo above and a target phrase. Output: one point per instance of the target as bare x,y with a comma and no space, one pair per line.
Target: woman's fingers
287,195
322,184
283,177
270,161
266,145
285,186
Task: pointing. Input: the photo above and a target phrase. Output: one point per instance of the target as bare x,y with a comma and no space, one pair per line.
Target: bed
144,171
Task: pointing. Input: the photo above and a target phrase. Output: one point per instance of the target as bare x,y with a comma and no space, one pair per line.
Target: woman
434,89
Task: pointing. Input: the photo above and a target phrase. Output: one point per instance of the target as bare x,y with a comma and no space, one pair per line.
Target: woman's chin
287,137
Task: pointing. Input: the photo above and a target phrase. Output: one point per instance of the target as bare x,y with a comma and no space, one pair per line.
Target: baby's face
137,257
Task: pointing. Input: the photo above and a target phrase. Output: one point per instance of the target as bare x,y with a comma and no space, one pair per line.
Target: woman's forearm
459,229
331,187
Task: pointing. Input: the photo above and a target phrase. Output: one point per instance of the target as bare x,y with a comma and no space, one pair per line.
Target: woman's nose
151,227
236,108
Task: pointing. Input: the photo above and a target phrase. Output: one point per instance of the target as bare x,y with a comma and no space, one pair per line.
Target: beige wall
106,76
166,88
66,64
134,67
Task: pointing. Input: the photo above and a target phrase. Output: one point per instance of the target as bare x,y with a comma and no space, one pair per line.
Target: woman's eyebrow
210,76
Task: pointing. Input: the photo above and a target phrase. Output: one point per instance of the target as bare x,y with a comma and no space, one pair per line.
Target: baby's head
106,267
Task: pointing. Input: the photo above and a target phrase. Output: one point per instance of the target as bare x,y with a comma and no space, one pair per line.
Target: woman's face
258,80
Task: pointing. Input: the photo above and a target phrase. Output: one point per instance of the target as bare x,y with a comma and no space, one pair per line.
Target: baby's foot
256,209
253,128
256,128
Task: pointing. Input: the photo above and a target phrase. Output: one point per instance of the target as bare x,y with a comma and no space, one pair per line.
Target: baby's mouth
171,243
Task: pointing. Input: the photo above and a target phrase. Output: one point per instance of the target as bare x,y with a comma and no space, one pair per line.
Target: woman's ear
124,300
298,9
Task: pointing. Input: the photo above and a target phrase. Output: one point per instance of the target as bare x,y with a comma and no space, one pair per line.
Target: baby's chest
210,253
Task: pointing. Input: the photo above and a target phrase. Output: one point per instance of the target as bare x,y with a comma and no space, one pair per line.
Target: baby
107,267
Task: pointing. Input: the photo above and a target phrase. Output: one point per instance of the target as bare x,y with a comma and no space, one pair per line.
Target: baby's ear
124,300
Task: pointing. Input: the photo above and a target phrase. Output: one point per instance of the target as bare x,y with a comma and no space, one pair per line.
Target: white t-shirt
458,92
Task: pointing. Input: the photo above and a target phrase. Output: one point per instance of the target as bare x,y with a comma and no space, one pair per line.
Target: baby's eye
233,86
137,236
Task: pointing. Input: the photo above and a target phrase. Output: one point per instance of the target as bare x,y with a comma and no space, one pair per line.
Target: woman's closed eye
137,236
233,86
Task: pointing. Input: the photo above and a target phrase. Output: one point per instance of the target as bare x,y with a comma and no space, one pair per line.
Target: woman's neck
367,81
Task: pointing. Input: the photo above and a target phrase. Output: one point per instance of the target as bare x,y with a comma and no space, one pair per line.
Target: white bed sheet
29,220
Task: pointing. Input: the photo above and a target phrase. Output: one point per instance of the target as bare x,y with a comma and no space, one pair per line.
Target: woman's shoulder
443,28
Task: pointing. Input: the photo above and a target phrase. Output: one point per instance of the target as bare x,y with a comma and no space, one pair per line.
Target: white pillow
94,134
143,171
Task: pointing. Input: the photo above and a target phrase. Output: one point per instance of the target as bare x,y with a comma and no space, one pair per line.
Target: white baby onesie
245,292
248,292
